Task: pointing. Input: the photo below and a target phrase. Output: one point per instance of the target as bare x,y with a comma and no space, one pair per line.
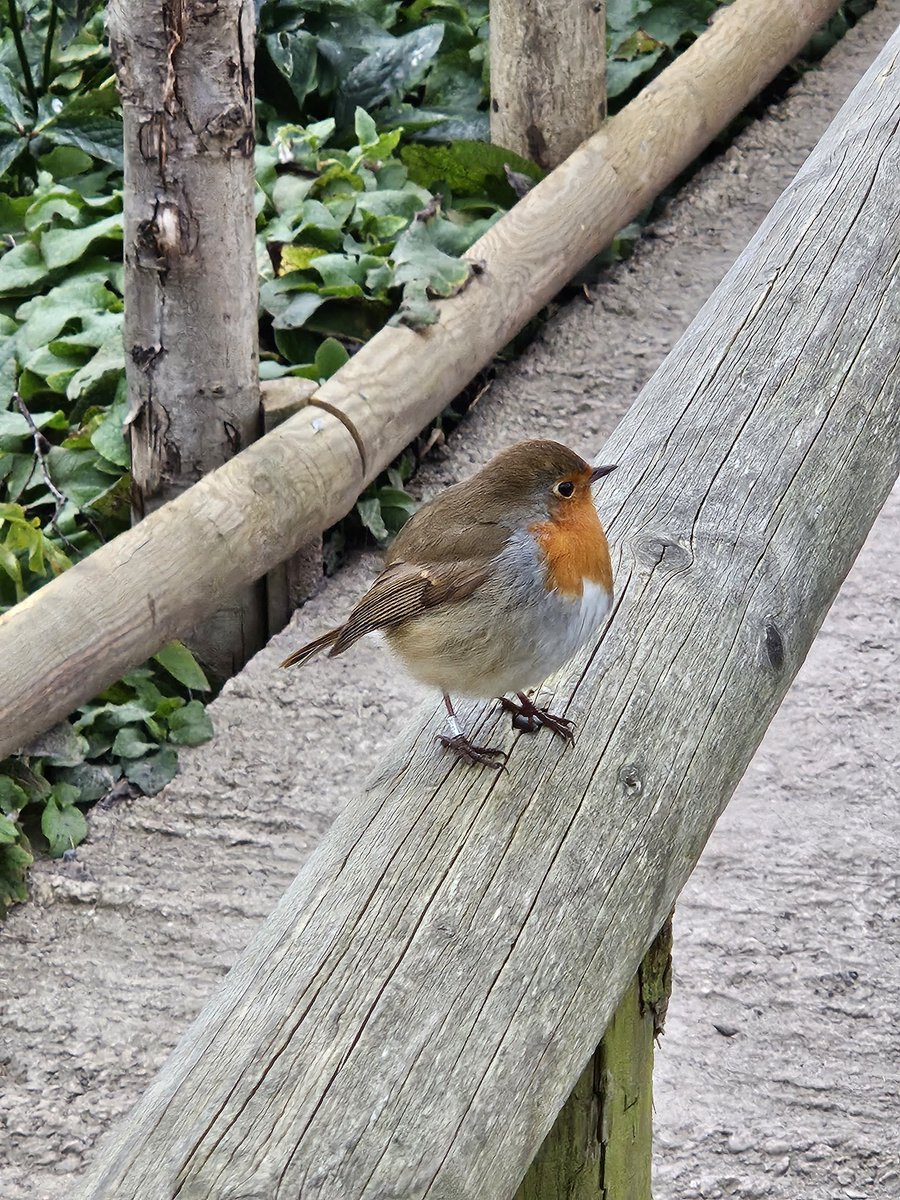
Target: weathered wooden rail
413,1015
64,644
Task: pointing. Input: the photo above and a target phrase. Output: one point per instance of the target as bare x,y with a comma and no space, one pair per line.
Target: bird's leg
460,744
529,718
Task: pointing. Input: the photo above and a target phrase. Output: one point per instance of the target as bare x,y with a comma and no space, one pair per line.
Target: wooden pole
65,643
413,1015
548,75
185,76
601,1144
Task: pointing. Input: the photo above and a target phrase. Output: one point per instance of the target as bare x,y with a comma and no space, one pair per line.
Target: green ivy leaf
12,101
468,168
62,824
12,797
417,258
291,311
99,136
11,146
114,715
61,745
9,832
190,726
60,247
92,780
151,774
295,56
370,514
621,75
108,438
129,743
105,367
624,14
22,267
14,863
181,665
670,21
330,357
392,68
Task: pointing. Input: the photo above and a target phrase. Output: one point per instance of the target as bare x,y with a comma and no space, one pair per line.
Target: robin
492,586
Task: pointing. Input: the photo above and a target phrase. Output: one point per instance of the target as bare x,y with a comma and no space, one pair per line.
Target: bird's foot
528,717
483,756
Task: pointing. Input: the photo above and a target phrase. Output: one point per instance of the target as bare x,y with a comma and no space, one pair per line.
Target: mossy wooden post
601,1146
548,75
298,577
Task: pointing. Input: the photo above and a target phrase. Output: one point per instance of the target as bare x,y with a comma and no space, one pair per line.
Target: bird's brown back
474,519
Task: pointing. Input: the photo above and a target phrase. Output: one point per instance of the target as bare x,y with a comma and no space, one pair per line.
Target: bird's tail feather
311,649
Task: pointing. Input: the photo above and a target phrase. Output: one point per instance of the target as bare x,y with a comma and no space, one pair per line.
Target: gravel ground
780,1069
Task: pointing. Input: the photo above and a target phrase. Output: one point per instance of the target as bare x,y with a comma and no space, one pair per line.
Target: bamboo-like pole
548,75
65,643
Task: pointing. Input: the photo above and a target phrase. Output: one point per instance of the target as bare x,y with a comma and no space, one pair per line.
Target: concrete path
778,1075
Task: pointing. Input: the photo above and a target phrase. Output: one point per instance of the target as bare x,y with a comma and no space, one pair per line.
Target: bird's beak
599,472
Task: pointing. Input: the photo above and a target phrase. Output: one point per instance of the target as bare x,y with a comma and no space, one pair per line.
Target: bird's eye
564,489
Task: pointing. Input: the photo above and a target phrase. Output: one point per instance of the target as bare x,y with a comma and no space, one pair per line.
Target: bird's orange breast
575,548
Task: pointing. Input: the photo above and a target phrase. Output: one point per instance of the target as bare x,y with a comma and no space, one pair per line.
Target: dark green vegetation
373,177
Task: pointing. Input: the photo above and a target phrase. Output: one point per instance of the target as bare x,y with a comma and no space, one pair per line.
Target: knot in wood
773,646
630,779
662,551
170,233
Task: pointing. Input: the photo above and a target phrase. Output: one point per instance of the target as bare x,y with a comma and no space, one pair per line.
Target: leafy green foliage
56,86
355,241
422,66
643,36
121,741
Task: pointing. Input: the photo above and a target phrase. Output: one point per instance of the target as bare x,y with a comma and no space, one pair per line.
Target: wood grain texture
548,75
412,1016
185,76
83,630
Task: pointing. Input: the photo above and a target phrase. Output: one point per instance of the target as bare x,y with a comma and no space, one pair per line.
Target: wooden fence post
601,1145
185,76
548,75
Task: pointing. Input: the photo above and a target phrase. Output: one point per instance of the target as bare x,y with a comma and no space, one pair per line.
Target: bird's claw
529,718
481,755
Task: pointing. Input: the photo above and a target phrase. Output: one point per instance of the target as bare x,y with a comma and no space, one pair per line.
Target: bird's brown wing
405,591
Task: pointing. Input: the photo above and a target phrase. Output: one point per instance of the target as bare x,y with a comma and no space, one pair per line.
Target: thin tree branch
41,460
48,46
28,78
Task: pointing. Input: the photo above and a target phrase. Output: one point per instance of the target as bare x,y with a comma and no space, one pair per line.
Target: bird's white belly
511,639
550,634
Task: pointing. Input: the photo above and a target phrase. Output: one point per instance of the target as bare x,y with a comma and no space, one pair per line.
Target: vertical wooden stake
185,77
601,1146
548,75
